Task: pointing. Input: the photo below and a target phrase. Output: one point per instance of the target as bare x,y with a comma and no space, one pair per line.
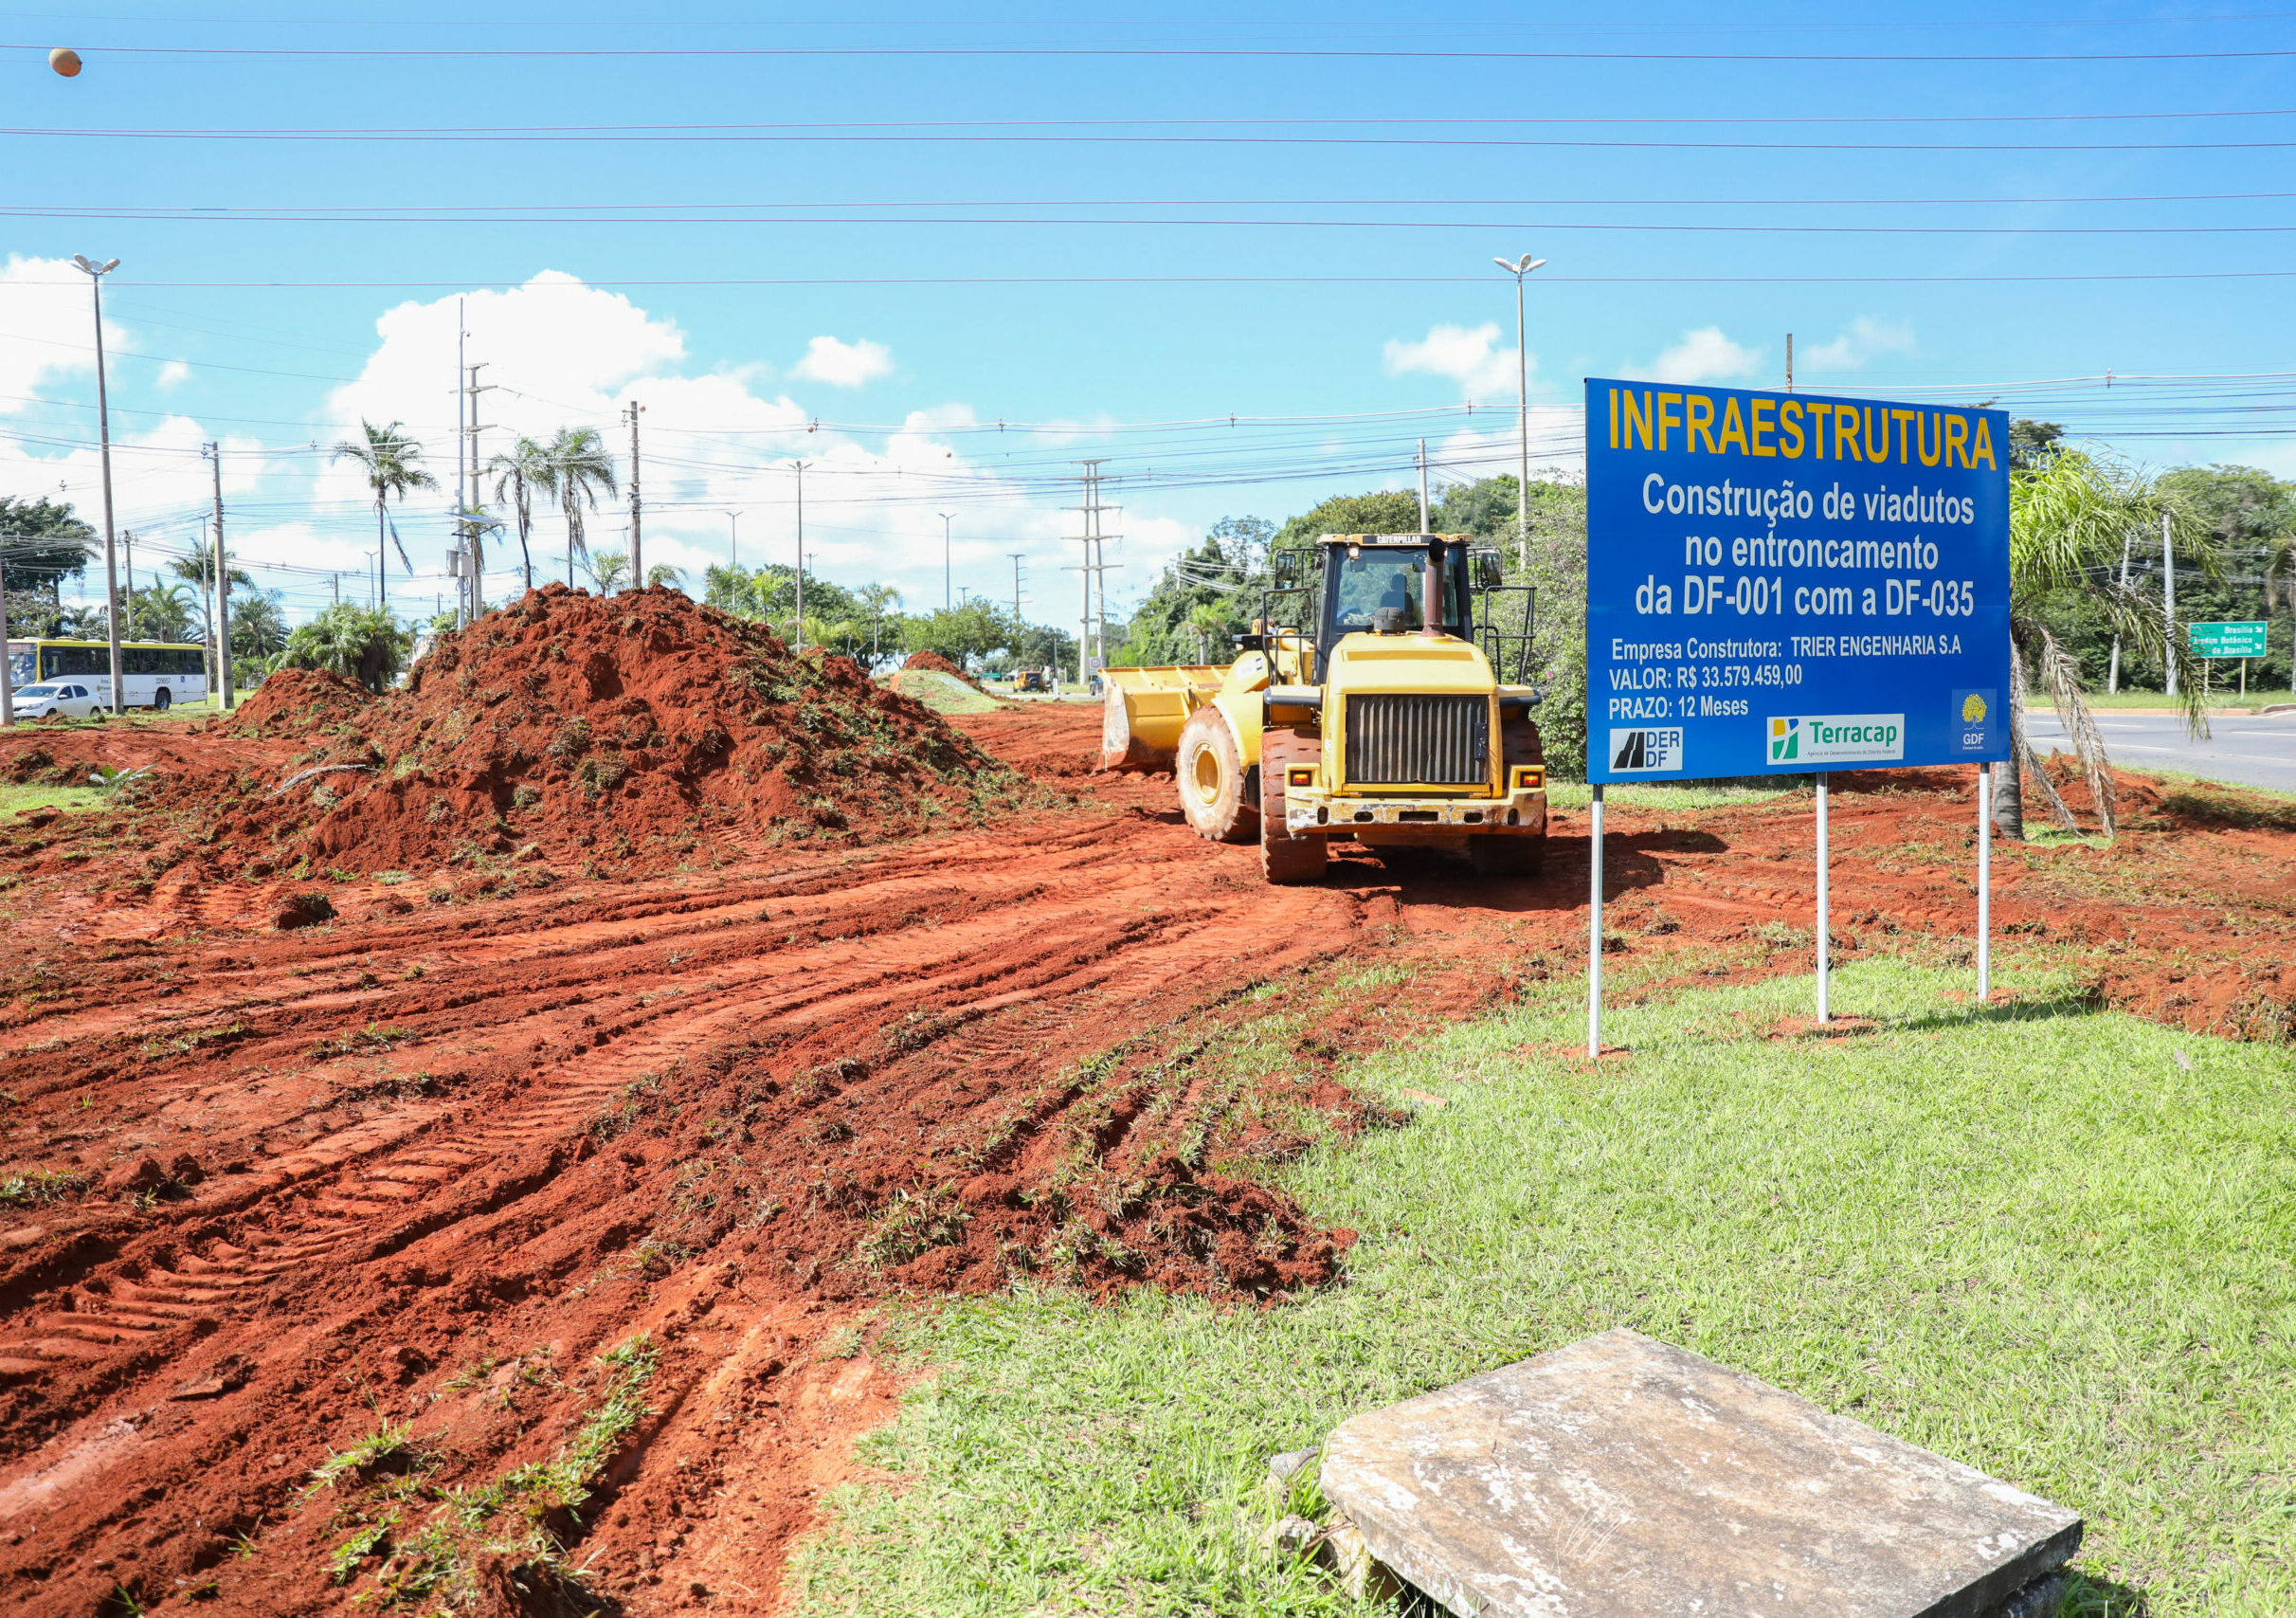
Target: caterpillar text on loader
1378,714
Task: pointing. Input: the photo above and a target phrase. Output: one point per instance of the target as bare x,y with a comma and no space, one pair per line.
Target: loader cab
1389,583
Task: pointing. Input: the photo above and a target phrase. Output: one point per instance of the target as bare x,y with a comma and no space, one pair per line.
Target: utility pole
798,467
1092,567
734,538
1789,362
1016,556
474,571
1423,527
223,587
2168,589
462,474
2112,674
1520,269
947,574
8,669
337,581
96,272
637,544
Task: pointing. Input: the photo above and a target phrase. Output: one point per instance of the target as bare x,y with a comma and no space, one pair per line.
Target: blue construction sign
1791,582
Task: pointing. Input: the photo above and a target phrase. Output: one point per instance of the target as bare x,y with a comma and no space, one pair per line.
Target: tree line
2086,587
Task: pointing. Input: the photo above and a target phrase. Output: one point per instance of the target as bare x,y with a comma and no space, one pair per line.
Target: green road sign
2228,640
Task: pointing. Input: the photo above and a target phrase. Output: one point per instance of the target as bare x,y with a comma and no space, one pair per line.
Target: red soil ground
264,1191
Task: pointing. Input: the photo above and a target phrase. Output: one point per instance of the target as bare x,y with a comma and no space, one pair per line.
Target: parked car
55,700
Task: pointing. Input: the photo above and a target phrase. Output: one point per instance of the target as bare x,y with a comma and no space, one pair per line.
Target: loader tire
1505,856
1285,860
1214,793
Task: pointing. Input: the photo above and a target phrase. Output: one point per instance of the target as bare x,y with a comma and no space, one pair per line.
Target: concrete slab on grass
1621,1476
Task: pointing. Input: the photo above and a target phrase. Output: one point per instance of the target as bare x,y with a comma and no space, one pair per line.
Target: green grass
2029,1239
942,693
1575,796
13,800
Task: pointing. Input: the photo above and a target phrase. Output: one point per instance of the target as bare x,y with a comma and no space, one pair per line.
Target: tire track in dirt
551,1020
453,1151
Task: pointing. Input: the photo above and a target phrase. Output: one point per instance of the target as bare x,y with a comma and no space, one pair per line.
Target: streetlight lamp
948,572
96,272
1520,268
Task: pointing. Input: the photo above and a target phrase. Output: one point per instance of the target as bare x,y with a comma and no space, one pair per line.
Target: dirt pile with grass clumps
936,664
638,732
297,702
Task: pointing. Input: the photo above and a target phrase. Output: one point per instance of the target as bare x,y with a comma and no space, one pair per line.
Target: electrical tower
1091,649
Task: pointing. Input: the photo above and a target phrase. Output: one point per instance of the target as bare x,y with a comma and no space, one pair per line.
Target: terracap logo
1836,738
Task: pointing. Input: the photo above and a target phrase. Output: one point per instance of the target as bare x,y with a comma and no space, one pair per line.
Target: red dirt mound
297,702
939,664
642,731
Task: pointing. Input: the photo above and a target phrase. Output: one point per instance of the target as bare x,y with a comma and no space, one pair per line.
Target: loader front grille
1408,740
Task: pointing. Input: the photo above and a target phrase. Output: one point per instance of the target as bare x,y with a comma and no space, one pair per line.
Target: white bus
152,674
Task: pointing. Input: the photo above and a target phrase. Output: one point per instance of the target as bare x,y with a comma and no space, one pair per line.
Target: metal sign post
1824,925
1984,883
1594,934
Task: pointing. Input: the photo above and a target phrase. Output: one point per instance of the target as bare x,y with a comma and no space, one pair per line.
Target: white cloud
45,327
561,353
173,374
844,364
1702,355
1864,339
1470,357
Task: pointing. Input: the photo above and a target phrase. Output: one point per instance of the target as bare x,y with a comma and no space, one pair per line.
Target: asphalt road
2258,749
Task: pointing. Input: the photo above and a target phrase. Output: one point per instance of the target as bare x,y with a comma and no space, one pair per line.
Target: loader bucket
1146,709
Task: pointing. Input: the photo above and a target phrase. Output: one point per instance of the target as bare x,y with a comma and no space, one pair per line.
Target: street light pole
799,466
96,273
948,568
1519,269
733,541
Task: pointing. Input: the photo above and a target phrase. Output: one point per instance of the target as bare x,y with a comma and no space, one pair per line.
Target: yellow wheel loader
1376,710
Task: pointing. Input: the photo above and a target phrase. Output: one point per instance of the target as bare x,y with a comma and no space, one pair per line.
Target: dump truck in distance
1379,697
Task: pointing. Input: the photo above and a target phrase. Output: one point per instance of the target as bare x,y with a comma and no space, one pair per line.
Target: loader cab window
1373,577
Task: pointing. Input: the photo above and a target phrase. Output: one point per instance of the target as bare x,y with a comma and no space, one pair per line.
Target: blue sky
904,227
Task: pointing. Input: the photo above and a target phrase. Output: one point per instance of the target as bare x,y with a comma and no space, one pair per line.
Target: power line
288,216
1071,52
1095,138
490,285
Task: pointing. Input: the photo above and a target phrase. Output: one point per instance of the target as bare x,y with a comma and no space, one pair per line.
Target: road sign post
1787,584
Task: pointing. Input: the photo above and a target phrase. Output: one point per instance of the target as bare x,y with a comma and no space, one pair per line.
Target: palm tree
881,601
390,458
608,569
577,468
364,644
1207,622
663,573
256,628
2069,520
521,472
159,612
